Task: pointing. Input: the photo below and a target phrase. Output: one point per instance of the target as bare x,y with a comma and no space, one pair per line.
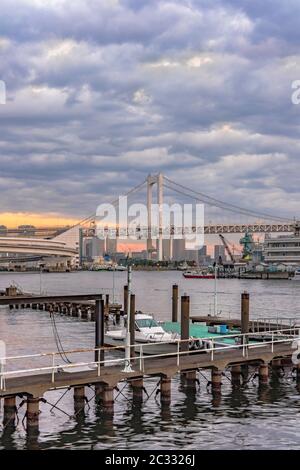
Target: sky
101,93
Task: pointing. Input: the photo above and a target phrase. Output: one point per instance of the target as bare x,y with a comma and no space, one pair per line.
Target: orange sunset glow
13,219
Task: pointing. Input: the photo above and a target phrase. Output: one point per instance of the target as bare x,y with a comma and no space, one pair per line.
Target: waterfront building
282,249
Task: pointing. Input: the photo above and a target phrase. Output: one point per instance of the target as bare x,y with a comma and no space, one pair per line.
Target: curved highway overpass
35,246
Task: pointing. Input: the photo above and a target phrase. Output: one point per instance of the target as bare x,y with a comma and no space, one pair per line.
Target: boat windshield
146,323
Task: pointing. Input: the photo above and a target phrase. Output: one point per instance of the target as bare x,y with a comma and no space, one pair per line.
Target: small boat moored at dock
147,332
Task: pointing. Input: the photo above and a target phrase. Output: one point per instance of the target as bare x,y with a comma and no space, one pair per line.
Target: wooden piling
132,324
165,390
84,314
263,374
276,363
216,379
107,302
137,386
190,379
108,399
125,299
99,329
245,313
185,322
9,411
74,311
32,414
236,372
175,303
79,398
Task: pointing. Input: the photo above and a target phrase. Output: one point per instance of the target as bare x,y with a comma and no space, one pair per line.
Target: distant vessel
198,275
117,267
297,275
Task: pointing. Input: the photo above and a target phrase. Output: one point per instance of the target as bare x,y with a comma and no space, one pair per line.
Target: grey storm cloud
102,92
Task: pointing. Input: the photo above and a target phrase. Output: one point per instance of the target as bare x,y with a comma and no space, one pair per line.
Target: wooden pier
105,373
81,306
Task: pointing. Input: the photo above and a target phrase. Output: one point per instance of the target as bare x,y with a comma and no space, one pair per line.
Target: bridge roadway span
37,246
37,384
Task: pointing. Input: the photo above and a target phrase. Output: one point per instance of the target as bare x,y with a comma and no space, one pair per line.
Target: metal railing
213,345
269,322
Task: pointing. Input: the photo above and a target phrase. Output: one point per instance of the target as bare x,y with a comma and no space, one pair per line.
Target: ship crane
227,248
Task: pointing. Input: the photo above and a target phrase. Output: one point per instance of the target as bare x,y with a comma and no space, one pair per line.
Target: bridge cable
113,203
217,203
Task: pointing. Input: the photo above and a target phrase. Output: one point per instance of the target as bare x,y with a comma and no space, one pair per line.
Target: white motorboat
148,334
153,338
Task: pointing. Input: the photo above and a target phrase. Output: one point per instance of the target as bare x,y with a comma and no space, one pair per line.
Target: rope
57,340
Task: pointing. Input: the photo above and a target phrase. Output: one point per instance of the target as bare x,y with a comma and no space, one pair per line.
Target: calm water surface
250,417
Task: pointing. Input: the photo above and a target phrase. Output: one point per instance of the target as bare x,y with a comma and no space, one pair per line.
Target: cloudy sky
102,92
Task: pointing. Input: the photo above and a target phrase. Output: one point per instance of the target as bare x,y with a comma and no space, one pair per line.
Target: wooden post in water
32,414
190,379
99,329
79,399
165,391
216,380
108,400
137,386
125,300
263,374
185,322
9,411
175,303
245,315
99,340
132,324
107,304
236,372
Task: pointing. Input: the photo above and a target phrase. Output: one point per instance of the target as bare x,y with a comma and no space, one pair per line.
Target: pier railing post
175,303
